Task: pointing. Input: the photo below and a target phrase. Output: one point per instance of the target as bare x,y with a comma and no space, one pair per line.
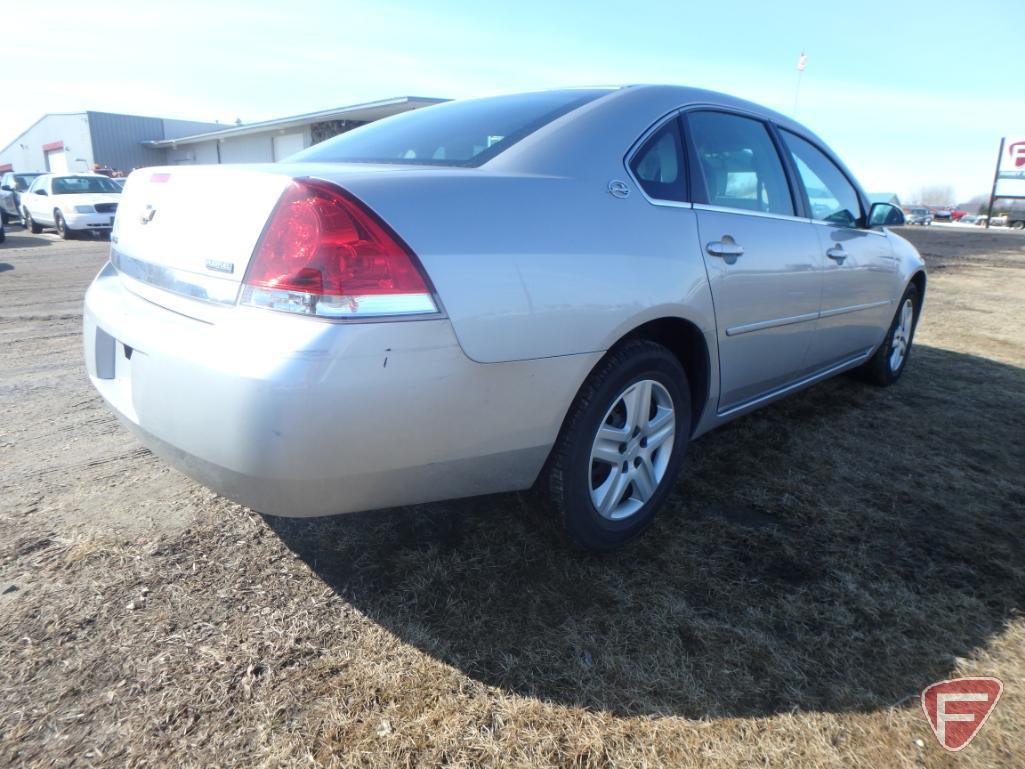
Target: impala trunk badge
213,264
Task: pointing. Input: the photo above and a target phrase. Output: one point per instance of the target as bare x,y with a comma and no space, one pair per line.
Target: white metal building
80,141
274,140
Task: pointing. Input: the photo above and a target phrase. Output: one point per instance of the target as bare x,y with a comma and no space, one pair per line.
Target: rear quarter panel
533,266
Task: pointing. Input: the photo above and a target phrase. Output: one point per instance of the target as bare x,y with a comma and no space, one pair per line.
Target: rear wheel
1020,225
30,223
621,446
885,367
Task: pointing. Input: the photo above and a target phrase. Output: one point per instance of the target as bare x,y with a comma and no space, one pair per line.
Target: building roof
883,197
374,110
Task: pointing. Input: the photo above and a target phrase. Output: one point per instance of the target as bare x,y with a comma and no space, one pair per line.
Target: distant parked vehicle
70,204
942,215
1000,220
11,186
1016,220
968,219
957,215
922,216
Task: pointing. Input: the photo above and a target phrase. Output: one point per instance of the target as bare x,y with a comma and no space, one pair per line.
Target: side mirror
885,215
7,188
41,192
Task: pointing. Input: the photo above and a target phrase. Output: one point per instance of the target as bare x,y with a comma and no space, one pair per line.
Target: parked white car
70,203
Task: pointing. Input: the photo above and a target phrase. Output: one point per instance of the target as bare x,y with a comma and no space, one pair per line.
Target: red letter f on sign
1017,153
958,708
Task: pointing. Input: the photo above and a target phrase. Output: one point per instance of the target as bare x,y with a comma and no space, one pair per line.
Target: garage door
57,161
286,145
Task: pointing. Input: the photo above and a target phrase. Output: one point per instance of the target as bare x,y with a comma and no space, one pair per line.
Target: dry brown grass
822,561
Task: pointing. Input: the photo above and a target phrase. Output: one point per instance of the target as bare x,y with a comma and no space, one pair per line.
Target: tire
61,226
30,224
612,395
5,218
884,368
1018,225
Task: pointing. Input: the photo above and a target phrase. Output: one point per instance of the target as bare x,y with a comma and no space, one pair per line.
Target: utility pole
996,178
802,62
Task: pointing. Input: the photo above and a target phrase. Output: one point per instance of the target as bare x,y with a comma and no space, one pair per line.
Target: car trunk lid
192,230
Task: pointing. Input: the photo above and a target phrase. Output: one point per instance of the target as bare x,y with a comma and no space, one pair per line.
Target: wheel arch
685,340
919,281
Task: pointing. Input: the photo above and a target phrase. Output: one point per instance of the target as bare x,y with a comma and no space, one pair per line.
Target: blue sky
909,94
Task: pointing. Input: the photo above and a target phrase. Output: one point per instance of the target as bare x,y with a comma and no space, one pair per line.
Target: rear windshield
71,185
458,133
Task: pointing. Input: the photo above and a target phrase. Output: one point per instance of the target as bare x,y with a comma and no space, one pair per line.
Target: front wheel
61,226
621,446
885,367
30,224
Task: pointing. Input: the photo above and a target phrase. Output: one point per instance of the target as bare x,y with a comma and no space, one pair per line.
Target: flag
802,62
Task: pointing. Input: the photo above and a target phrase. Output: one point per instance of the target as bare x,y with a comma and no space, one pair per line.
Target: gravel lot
822,561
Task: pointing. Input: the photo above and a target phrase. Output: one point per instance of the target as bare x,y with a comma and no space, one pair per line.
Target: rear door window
739,164
659,166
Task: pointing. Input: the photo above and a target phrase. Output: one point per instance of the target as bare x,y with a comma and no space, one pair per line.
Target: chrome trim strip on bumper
203,287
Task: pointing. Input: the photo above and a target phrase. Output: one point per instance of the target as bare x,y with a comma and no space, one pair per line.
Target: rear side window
458,133
831,196
659,166
739,163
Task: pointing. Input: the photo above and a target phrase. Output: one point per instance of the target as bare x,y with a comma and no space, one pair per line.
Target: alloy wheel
631,450
902,335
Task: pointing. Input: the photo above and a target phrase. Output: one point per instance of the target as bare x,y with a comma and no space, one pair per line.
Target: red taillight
323,253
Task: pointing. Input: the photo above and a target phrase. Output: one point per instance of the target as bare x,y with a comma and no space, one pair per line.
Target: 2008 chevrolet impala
561,288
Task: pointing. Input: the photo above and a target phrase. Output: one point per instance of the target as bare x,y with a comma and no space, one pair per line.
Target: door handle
727,247
837,254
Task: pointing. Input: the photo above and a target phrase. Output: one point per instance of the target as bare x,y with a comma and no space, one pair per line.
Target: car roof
616,119
85,176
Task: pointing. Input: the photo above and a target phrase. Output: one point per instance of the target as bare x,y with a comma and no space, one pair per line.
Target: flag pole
802,61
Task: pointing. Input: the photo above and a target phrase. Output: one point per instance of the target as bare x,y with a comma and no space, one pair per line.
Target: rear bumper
299,417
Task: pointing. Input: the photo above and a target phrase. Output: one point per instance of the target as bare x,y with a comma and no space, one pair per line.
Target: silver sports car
560,288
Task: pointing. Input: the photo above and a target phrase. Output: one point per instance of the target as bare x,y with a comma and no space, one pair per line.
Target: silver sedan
558,289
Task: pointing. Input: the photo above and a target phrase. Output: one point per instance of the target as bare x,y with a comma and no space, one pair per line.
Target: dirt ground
820,563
